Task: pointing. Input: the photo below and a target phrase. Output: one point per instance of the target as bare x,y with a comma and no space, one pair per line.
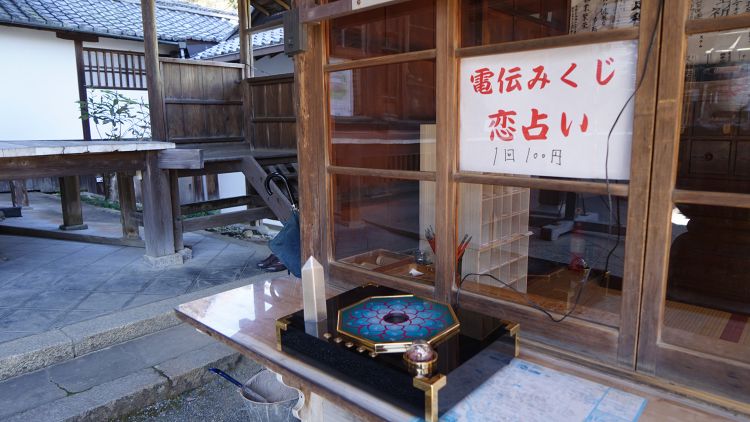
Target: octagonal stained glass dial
389,324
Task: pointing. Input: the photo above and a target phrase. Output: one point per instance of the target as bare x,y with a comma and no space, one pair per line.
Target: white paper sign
359,4
549,112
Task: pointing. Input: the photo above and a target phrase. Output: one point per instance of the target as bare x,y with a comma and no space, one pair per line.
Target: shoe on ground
270,260
277,266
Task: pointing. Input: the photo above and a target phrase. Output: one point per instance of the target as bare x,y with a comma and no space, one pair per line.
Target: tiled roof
175,20
269,38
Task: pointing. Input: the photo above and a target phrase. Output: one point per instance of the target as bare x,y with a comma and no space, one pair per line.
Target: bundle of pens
429,234
460,255
462,247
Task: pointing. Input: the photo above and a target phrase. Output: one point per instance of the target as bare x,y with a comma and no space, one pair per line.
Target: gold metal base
421,369
430,386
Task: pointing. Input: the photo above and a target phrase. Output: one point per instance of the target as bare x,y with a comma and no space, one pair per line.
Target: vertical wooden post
670,90
82,95
644,120
153,72
126,193
246,45
446,205
70,186
158,223
310,104
18,194
70,192
246,58
174,182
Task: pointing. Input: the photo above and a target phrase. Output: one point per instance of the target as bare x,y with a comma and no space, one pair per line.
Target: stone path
216,401
46,284
114,381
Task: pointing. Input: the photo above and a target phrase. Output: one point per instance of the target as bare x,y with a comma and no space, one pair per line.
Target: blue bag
286,245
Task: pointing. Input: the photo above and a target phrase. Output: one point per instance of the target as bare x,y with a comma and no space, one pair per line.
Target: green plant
126,117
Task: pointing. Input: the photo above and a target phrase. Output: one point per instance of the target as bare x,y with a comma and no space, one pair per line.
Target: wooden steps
256,165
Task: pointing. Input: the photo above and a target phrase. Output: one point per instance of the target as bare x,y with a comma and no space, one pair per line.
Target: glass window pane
383,116
704,9
715,138
496,21
380,225
533,244
708,289
401,28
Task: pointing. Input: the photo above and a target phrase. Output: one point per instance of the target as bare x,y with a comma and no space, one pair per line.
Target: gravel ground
218,401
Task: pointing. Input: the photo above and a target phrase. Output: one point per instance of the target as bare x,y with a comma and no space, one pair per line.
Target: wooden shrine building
419,123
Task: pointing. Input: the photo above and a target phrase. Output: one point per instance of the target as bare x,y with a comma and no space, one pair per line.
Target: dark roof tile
175,20
269,38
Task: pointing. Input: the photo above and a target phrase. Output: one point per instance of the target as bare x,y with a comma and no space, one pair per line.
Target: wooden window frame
612,346
655,139
134,67
660,351
336,269
616,347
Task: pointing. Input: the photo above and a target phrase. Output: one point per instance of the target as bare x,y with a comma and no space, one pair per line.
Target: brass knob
327,335
360,349
349,344
338,340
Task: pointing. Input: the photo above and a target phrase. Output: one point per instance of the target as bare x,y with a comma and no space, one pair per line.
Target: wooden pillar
246,58
174,183
82,95
70,192
126,192
18,194
246,45
153,72
310,103
158,223
446,205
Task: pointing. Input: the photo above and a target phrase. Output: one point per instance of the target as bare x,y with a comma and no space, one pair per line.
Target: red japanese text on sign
565,109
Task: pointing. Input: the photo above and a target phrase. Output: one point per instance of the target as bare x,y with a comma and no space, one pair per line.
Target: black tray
386,375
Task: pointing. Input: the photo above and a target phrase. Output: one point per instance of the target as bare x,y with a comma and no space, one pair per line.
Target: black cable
587,272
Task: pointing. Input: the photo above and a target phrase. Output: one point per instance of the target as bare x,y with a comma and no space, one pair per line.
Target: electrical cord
584,280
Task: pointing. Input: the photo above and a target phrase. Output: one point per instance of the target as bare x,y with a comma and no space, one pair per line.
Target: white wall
127,45
38,86
100,131
276,65
232,185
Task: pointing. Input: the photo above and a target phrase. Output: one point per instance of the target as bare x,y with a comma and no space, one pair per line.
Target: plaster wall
276,65
38,86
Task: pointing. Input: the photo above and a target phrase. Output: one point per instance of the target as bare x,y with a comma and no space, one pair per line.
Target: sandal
270,260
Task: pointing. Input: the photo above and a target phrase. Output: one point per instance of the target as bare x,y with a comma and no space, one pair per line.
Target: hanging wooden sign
550,112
